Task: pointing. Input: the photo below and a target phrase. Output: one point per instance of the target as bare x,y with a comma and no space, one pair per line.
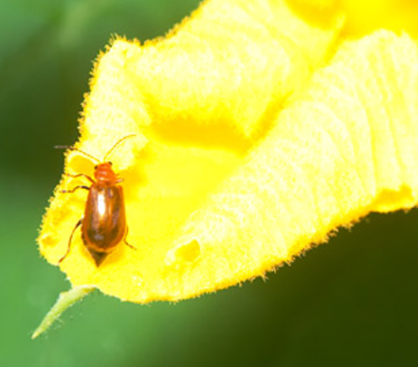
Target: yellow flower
261,127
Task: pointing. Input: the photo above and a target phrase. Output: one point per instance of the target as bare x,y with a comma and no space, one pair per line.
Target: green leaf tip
64,301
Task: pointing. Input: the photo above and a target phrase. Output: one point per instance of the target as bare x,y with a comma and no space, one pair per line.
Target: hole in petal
186,253
189,252
48,240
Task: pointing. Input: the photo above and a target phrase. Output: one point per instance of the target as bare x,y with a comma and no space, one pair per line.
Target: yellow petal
366,16
346,146
362,17
218,188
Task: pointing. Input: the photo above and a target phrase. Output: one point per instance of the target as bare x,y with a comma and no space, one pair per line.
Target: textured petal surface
253,143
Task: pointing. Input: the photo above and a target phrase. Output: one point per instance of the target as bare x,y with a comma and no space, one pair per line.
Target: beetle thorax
104,173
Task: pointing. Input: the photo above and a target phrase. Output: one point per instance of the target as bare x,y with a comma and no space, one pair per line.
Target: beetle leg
69,241
74,189
80,175
126,242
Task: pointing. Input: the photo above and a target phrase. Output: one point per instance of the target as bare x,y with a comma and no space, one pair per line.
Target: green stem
65,300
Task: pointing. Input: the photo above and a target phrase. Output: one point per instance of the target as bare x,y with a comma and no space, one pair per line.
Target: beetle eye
95,167
110,163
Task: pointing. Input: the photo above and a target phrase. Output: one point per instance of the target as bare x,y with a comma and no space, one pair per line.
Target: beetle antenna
77,150
117,144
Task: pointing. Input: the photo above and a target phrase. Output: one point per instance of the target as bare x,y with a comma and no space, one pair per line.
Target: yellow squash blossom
261,127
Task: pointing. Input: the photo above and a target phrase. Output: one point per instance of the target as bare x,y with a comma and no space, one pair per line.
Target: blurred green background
351,302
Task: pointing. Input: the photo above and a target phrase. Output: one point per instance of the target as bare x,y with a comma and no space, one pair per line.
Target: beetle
103,225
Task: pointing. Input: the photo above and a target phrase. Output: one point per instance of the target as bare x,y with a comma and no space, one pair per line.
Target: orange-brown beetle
103,225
